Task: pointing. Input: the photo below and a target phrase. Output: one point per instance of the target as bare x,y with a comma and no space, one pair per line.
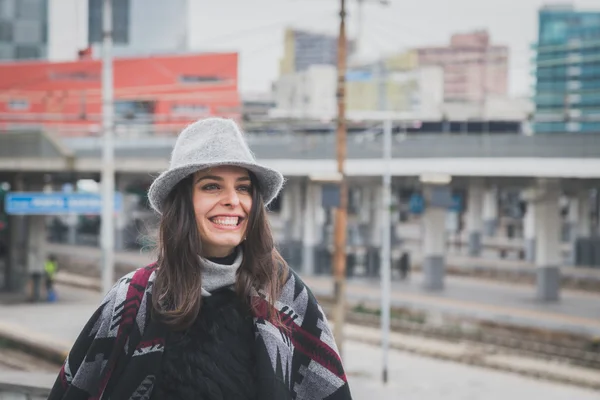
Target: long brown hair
176,297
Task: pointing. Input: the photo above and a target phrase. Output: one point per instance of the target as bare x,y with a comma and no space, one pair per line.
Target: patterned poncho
119,352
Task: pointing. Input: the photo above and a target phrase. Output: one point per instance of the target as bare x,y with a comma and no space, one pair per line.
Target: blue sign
24,203
416,203
457,203
358,76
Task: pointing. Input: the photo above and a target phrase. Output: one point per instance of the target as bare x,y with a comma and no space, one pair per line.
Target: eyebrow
220,179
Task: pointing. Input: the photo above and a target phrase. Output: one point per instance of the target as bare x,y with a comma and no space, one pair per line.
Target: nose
231,198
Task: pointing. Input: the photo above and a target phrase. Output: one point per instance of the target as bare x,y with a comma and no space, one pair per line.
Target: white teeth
229,221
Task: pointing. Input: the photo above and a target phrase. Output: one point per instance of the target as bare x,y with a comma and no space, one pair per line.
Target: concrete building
567,95
68,29
303,49
57,30
143,26
501,108
473,67
308,94
417,92
257,105
411,93
173,91
311,94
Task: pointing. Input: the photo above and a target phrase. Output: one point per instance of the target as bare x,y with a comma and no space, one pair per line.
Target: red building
166,92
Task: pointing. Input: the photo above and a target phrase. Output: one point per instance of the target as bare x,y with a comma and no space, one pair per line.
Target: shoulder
137,281
141,276
294,290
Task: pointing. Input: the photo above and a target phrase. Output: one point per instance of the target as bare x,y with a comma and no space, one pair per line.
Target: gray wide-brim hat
207,143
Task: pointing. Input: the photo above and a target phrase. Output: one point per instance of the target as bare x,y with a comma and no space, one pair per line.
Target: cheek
246,204
201,206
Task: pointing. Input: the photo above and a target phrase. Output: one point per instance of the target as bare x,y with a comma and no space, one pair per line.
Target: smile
226,221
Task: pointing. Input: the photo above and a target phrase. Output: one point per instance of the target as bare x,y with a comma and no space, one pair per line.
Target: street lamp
108,163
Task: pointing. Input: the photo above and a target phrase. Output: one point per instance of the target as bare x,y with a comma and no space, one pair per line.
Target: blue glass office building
567,91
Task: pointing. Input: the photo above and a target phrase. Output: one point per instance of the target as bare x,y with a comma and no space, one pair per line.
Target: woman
220,315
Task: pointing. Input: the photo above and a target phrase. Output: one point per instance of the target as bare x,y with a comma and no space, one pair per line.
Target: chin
226,243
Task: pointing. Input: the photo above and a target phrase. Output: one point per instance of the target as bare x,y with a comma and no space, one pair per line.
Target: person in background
220,315
50,269
35,267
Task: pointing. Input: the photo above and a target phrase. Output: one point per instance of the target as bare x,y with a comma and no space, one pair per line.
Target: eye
245,188
210,186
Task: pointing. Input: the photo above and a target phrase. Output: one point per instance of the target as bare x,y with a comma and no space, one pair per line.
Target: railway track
579,351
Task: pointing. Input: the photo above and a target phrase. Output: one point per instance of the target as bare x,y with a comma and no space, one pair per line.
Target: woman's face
222,202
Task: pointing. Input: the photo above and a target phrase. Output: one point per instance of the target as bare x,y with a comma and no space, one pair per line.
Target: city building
567,89
310,94
23,29
307,94
172,92
257,105
60,30
303,49
142,27
473,67
68,28
417,92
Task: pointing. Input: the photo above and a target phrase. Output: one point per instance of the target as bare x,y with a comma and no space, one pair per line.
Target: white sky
255,29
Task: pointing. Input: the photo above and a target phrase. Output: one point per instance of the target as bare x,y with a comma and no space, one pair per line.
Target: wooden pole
341,212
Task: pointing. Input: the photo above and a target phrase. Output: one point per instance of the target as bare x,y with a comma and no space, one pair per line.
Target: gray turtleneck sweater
217,275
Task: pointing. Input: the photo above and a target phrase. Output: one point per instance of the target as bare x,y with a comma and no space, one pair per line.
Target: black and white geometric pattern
119,351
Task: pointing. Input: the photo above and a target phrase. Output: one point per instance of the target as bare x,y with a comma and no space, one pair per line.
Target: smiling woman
220,315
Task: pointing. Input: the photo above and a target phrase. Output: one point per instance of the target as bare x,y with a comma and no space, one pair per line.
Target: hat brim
270,181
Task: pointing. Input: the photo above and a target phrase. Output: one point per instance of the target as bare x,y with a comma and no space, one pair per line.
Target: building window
6,31
189,110
199,79
573,126
574,85
27,52
134,110
74,76
6,9
6,51
30,10
574,71
27,32
120,20
18,105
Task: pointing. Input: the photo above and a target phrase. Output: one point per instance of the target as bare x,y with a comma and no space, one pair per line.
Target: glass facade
23,27
316,49
120,11
567,71
313,48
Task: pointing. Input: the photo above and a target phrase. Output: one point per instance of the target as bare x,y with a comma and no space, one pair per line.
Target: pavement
577,312
410,377
419,368
415,377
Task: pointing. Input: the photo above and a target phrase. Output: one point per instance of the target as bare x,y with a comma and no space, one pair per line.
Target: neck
216,276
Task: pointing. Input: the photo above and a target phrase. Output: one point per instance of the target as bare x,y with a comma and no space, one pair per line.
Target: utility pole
386,218
341,212
108,162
